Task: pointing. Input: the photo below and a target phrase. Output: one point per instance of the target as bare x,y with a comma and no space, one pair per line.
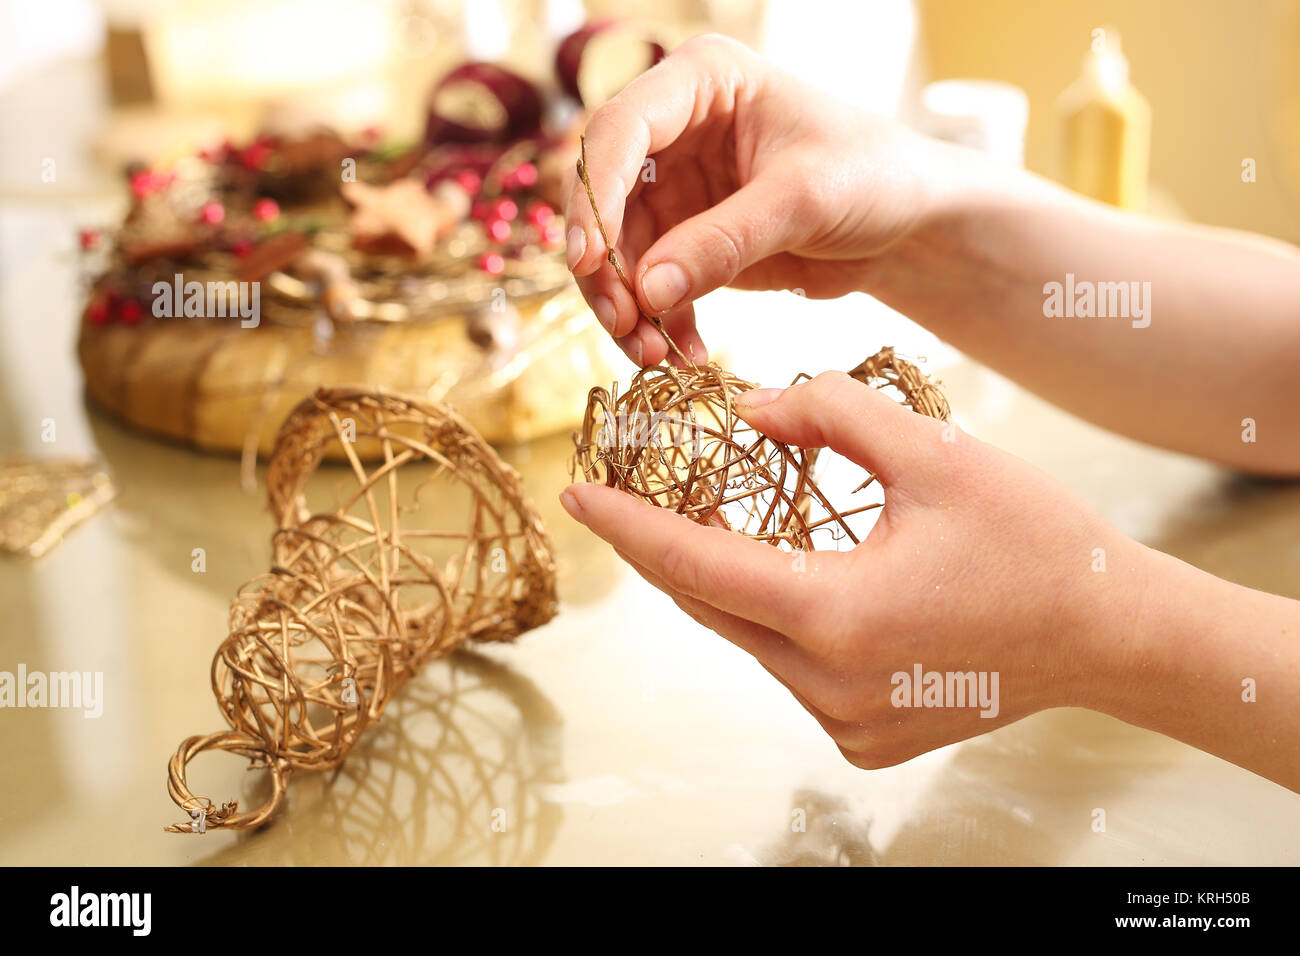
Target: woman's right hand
758,181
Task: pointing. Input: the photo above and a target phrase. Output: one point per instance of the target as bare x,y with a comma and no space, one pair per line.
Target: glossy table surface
621,732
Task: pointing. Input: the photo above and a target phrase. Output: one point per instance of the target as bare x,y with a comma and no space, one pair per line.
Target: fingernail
605,313
577,245
664,286
570,502
758,397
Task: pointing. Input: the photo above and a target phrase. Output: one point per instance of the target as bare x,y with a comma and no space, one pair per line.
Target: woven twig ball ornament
904,382
674,440
363,592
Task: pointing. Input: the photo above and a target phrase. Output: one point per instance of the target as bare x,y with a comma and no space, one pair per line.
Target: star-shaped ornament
401,217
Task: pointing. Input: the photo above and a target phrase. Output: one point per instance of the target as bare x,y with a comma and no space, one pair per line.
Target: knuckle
804,190
604,121
726,248
831,385
680,569
709,45
813,390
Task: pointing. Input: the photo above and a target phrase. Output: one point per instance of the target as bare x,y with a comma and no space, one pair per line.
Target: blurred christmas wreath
247,276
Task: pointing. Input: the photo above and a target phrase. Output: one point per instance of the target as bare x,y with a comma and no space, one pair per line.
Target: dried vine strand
612,256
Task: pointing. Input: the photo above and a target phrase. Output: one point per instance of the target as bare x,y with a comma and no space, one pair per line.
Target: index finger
647,115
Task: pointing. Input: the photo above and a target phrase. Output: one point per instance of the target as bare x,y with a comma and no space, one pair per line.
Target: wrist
1115,611
1156,632
969,208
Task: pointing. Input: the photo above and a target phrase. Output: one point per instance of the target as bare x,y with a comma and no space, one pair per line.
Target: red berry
493,263
98,313
143,183
146,182
540,214
254,157
128,312
266,210
498,230
523,176
89,239
241,247
469,181
213,213
553,235
505,208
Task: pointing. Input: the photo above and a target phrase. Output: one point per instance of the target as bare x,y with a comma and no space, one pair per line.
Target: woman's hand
757,181
978,562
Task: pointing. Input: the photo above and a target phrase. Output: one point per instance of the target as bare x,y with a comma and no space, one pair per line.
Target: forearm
1211,336
1210,663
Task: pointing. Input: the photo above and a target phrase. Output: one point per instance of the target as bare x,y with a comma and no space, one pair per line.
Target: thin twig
612,256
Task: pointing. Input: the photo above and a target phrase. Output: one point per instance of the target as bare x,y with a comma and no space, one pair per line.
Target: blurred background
1222,78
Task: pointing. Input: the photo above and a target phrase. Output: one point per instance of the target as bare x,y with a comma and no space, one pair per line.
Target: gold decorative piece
365,591
674,440
40,501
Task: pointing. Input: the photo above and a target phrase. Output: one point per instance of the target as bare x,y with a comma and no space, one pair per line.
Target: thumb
869,428
711,248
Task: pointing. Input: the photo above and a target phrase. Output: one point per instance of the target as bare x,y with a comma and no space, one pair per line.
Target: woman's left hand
978,562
